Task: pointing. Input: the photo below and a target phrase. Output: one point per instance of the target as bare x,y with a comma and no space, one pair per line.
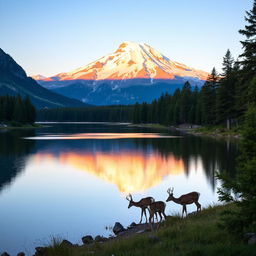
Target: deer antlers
129,197
170,190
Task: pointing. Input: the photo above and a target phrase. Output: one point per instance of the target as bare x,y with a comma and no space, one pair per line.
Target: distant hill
13,81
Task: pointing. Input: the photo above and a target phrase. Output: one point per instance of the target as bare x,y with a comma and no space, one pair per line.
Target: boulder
100,239
40,251
21,254
118,228
132,225
5,254
87,239
66,243
249,235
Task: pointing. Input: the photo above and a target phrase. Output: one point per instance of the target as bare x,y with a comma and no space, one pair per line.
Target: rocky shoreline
120,232
88,240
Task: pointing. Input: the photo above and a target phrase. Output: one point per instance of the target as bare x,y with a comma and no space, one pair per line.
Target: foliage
242,190
16,110
249,44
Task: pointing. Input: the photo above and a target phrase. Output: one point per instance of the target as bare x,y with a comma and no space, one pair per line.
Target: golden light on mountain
129,171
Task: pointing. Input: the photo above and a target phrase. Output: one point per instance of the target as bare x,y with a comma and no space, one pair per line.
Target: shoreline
171,237
6,126
214,132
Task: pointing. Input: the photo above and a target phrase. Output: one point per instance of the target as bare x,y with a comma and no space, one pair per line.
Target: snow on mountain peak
38,77
132,60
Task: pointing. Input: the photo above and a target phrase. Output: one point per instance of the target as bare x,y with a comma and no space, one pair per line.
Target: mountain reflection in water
129,171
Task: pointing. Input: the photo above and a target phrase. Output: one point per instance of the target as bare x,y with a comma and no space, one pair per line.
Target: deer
157,207
143,204
185,199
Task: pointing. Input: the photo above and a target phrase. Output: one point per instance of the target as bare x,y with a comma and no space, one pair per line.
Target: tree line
87,114
222,99
16,109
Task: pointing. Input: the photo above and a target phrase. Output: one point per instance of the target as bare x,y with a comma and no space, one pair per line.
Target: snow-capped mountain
38,77
131,60
135,72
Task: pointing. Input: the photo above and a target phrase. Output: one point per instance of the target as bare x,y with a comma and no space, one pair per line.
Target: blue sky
52,36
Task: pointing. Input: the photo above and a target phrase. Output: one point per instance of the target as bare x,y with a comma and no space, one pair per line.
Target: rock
141,231
66,243
21,254
132,225
249,235
252,240
40,251
5,254
100,239
87,239
118,228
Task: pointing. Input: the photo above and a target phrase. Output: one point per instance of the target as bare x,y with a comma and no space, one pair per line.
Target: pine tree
242,190
249,44
19,110
185,102
226,92
208,99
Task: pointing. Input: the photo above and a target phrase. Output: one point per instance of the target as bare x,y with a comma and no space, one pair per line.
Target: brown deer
157,207
143,204
189,198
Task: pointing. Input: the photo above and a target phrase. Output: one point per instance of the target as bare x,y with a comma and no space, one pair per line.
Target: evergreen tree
208,99
249,44
144,112
242,190
29,111
185,102
19,110
226,92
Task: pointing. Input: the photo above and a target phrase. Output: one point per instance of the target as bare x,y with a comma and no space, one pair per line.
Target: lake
68,180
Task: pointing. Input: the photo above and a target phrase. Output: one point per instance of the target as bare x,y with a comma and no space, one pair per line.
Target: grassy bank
193,236
216,131
154,126
17,125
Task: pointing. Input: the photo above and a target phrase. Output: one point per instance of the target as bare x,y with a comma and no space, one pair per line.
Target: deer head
170,192
129,198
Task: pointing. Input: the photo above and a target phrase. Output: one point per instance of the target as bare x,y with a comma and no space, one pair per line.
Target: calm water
69,180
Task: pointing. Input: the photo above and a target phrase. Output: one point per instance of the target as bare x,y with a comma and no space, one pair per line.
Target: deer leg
164,215
186,210
156,217
160,217
151,217
145,213
183,210
141,215
198,206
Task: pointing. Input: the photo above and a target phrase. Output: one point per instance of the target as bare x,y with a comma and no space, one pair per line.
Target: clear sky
52,36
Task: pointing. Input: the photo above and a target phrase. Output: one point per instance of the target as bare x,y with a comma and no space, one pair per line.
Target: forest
15,110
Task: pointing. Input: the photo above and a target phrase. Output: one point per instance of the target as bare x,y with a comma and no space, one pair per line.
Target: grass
217,131
17,125
199,235
155,126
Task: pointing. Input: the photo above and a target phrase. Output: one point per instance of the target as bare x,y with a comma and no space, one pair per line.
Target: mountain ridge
14,80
